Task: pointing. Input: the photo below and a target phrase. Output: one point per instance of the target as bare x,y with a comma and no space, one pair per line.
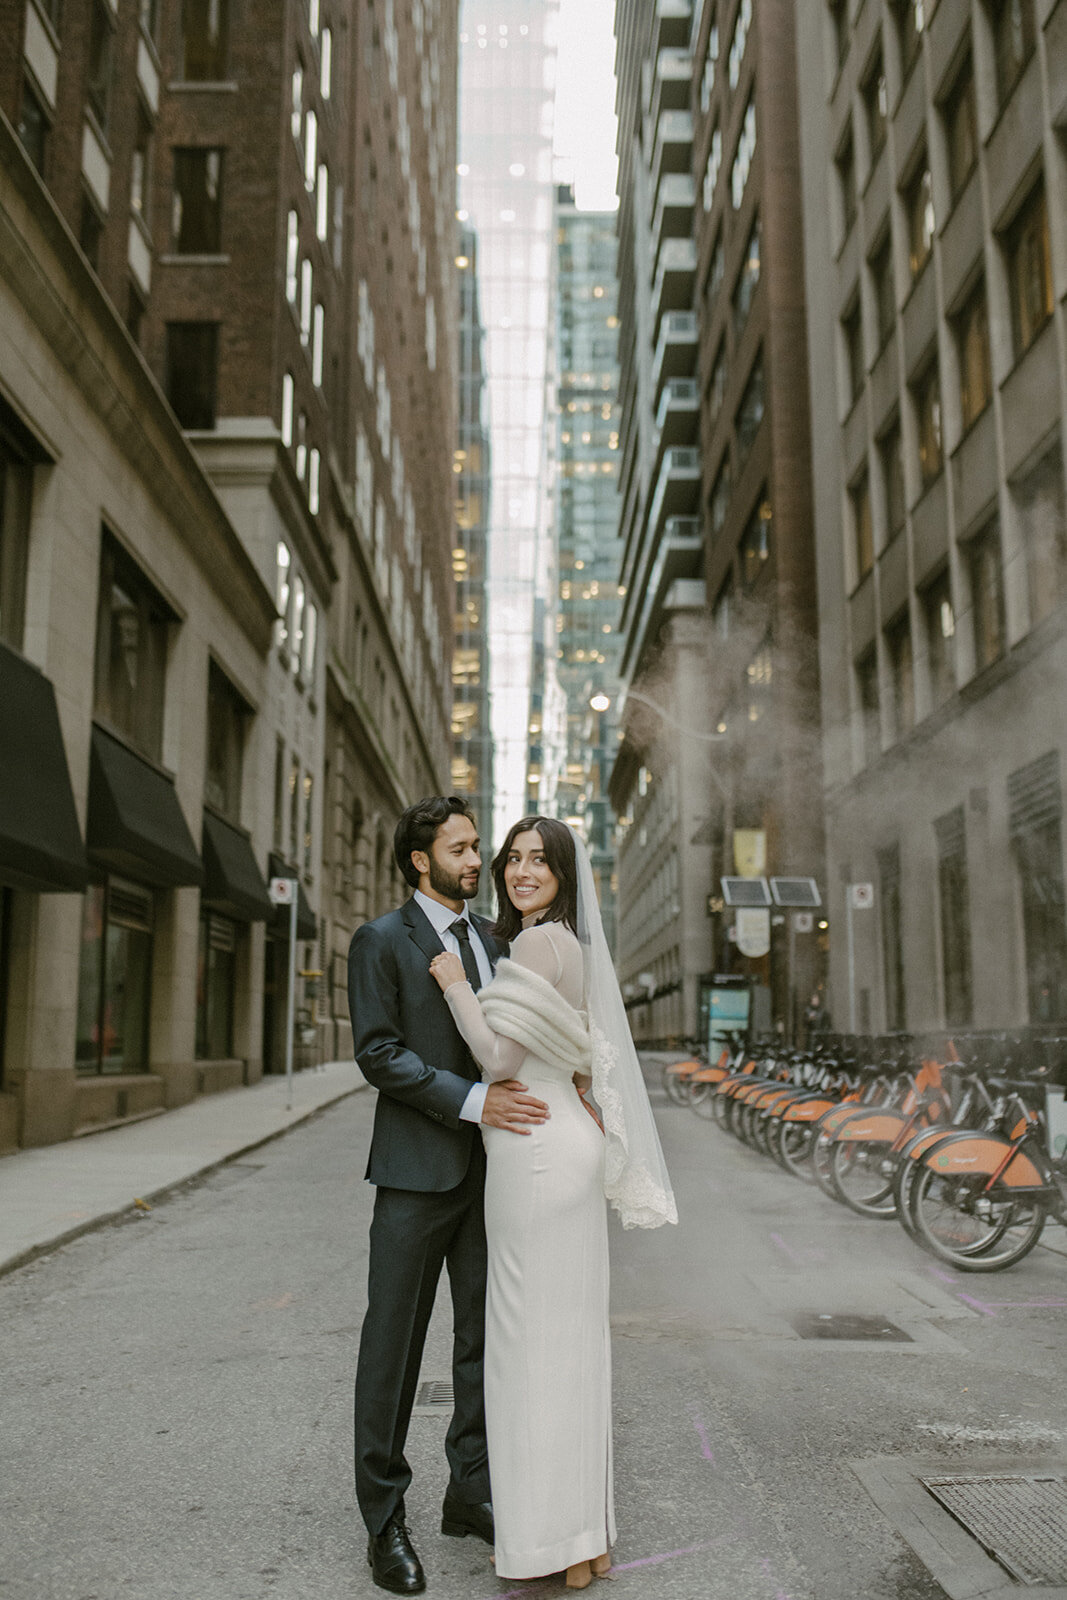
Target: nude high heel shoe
580,1576
601,1565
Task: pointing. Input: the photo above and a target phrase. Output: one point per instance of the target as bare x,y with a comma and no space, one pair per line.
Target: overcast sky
585,101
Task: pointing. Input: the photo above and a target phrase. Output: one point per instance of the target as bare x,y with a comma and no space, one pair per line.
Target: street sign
282,891
798,892
861,896
745,891
803,921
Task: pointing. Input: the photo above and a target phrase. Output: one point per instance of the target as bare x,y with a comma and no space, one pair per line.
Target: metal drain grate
848,1325
1020,1519
434,1392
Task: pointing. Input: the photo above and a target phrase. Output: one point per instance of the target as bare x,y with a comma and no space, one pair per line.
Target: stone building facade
932,140
254,218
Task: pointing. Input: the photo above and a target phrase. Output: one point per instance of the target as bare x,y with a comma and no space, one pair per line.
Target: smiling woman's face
531,884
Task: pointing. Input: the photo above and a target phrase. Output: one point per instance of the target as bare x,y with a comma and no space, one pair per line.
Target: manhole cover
434,1392
1019,1518
848,1325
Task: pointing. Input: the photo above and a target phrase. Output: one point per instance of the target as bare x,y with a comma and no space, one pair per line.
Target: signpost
859,897
283,892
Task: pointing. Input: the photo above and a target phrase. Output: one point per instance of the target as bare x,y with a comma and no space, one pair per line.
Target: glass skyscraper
507,99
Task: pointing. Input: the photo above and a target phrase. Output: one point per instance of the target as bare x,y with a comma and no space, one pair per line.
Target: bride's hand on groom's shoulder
447,969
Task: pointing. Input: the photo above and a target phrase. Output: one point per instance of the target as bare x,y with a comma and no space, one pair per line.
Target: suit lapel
493,949
421,930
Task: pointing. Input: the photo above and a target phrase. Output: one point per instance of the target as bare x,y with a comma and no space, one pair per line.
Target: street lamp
600,702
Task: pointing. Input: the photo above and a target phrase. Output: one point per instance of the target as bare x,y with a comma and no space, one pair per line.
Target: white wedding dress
547,1342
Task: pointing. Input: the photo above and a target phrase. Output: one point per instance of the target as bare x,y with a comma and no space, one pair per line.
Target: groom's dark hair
417,829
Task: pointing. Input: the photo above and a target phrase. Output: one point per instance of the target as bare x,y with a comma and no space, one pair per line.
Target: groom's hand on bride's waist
510,1105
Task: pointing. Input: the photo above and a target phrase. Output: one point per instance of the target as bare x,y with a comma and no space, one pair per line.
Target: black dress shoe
393,1562
460,1517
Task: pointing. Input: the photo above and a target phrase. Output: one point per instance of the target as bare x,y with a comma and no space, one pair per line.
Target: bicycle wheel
675,1086
795,1144
822,1151
970,1229
702,1100
859,1179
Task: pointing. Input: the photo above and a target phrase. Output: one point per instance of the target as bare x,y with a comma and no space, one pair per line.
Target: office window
885,298
311,633
716,273
719,501
150,17
987,595
747,280
738,42
840,30
901,674
34,126
16,502
205,40
846,176
307,281
746,150
288,391
296,625
928,415
1013,41
954,898
852,336
717,384
309,785
283,594
939,620
141,167
322,205
1029,270
750,411
296,114
192,372
867,698
314,470
876,106
919,205
196,204
311,149
318,336
216,986
294,810
227,716
326,64
114,978
911,20
292,256
711,61
90,231
862,527
891,453
1041,509
972,344
961,128
756,545
277,832
1038,852
132,634
892,919
98,75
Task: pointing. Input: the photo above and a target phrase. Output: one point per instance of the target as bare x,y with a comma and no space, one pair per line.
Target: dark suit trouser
411,1236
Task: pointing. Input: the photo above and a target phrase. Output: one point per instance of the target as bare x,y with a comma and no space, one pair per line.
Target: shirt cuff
474,1104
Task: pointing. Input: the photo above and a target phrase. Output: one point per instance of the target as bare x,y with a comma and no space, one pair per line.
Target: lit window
292,257
325,63
287,409
317,339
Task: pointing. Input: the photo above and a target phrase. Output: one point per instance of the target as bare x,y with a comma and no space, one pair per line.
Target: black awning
233,884
306,925
136,825
40,842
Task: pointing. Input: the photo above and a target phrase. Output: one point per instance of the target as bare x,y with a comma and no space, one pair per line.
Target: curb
47,1246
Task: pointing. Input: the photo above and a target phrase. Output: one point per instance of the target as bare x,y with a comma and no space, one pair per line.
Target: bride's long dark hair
558,842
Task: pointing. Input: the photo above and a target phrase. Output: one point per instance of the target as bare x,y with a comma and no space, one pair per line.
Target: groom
427,1160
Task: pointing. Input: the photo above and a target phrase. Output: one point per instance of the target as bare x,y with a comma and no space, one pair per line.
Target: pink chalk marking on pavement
946,1277
784,1248
765,1566
1027,1305
702,1434
979,1305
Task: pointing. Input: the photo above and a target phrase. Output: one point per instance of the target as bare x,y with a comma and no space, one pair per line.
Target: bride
554,1011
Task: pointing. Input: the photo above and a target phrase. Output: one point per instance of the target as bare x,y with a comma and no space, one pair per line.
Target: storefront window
216,982
131,652
1039,856
114,980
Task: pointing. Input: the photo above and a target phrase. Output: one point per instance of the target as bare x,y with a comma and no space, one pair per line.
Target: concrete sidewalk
52,1194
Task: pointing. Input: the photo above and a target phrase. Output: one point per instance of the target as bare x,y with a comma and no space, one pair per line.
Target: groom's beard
444,883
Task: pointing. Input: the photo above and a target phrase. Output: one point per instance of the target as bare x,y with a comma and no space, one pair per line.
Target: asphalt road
175,1391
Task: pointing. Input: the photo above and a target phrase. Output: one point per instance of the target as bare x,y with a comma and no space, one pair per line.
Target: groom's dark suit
429,1167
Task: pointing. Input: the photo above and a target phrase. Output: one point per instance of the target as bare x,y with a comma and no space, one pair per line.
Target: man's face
453,864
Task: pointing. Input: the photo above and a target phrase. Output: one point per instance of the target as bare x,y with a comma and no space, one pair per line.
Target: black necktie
462,930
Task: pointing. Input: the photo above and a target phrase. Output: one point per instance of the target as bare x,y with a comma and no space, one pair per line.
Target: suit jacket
409,1048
